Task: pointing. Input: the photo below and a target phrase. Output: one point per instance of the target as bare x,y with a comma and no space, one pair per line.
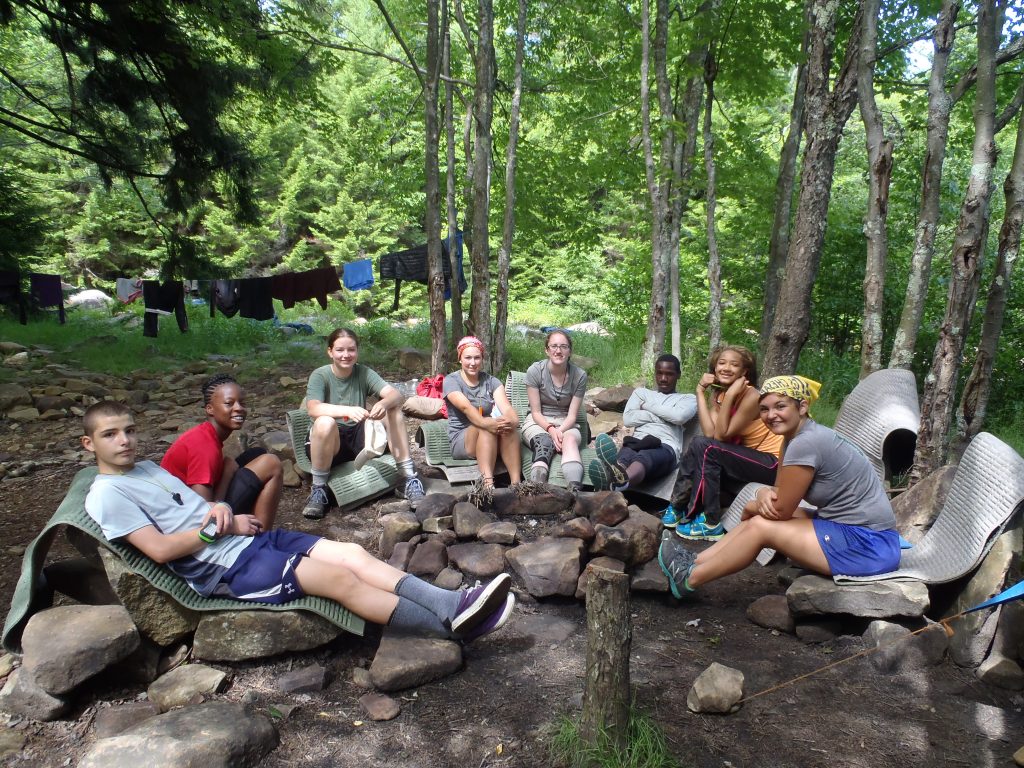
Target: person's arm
570,418
730,424
780,502
164,547
633,414
509,419
230,466
707,413
318,404
675,409
472,414
390,398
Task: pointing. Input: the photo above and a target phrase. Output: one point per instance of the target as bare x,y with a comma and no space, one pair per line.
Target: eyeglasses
558,347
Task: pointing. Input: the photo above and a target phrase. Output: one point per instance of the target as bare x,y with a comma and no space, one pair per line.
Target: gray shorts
457,441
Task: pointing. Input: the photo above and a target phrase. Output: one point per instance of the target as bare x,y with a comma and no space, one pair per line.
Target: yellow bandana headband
797,387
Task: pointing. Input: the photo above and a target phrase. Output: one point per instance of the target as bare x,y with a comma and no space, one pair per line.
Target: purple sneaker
493,622
476,604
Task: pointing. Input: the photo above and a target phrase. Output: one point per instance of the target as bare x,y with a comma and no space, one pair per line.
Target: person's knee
266,467
324,427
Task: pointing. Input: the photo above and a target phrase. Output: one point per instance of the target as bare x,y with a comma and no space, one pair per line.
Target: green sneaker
613,474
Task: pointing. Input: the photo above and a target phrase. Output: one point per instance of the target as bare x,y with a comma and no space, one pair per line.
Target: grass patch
646,747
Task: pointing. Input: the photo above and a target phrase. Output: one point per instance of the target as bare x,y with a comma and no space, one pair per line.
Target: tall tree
453,219
710,202
508,226
967,258
826,114
879,150
432,174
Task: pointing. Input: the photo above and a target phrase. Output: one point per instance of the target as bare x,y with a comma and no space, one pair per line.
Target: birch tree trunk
480,301
508,228
879,148
826,114
970,415
778,244
940,104
432,171
711,201
967,256
453,218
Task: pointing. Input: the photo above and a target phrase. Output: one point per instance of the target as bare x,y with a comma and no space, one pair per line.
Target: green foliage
645,747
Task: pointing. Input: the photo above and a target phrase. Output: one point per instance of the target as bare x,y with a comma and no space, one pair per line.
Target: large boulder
916,509
717,690
398,526
551,500
428,559
13,396
477,559
241,635
157,615
898,650
405,661
548,566
815,595
21,696
612,398
211,735
468,520
66,645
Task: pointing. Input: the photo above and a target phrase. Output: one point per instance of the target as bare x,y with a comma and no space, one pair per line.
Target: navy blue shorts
657,462
853,550
265,571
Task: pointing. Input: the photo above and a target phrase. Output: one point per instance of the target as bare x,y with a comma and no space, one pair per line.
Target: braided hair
211,384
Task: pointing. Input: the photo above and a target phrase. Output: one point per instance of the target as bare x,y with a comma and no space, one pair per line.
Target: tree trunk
714,261
940,104
778,245
879,148
967,256
508,228
435,268
453,219
826,114
974,402
606,692
480,301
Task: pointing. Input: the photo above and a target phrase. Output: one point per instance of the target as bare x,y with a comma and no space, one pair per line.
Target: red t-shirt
196,458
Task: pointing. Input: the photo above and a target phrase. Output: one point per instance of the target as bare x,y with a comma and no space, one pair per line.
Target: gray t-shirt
480,397
145,495
327,388
845,488
554,401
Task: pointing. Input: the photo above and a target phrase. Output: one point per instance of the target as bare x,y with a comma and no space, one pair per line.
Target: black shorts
351,441
245,486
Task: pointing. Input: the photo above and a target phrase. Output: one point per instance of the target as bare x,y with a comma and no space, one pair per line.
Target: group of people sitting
212,519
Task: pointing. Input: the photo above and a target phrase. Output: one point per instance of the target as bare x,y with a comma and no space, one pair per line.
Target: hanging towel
302,286
254,299
46,292
359,275
128,289
162,299
10,293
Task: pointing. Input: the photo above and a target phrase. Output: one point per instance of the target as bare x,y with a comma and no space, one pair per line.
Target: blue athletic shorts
265,571
853,550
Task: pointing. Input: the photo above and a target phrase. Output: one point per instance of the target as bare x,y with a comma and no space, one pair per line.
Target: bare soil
499,710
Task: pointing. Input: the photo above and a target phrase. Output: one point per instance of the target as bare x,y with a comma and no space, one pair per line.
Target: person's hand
378,411
222,513
557,436
246,525
705,381
355,414
505,425
765,499
737,387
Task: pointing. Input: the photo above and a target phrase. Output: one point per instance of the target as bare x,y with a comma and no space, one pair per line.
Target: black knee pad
543,448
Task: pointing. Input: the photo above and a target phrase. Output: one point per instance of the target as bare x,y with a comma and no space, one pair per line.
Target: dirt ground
499,710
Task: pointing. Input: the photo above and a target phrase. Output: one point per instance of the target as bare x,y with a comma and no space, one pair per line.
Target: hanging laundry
10,293
254,298
46,293
128,289
411,264
359,275
162,299
224,296
302,286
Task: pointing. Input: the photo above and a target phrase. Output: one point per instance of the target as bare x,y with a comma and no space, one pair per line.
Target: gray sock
441,602
409,616
572,471
406,468
321,476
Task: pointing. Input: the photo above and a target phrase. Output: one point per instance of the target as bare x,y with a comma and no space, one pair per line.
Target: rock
790,573
428,559
398,526
1002,672
449,578
82,579
438,524
66,645
361,678
303,680
413,359
976,631
21,696
598,562
1018,756
11,347
818,630
552,500
772,612
994,723
577,528
85,387
17,360
279,443
610,542
6,664
111,721
11,742
815,595
611,509
717,690
178,686
157,616
25,413
612,398
378,707
50,403
435,505
643,532
498,533
649,578
405,661
548,566
477,559
241,635
916,509
401,555
468,520
212,735
141,667
898,651
291,477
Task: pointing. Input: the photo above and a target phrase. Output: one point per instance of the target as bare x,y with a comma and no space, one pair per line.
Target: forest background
670,170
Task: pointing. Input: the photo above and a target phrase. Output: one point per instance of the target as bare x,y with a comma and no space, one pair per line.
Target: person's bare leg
324,579
267,468
636,472
398,434
483,446
511,456
323,443
354,558
570,448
